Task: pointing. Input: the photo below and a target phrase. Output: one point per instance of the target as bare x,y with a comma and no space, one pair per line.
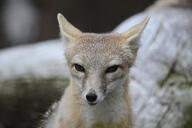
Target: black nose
91,97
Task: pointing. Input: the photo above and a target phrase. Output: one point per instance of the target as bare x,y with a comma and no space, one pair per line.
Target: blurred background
29,21
33,77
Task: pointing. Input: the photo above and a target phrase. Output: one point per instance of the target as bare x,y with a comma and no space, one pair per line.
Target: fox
99,64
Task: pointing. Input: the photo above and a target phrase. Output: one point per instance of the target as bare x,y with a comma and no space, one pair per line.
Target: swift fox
97,95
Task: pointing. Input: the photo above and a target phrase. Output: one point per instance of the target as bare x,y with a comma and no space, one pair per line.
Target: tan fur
95,53
76,118
73,108
125,122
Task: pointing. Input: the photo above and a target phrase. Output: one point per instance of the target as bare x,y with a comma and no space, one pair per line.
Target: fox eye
79,68
112,69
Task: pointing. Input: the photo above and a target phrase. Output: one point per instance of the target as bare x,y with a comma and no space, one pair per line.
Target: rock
161,80
23,102
32,77
41,60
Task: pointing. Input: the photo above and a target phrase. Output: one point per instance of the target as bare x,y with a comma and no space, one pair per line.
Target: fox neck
114,109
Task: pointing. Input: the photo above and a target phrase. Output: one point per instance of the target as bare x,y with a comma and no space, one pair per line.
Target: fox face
99,63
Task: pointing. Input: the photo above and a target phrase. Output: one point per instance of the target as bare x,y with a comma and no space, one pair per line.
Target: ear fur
132,35
67,29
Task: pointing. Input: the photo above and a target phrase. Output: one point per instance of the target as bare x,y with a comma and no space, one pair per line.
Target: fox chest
98,119
111,125
107,118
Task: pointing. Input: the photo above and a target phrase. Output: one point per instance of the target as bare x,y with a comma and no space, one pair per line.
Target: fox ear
67,29
132,35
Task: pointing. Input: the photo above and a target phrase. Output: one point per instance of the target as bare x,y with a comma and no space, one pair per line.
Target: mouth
92,103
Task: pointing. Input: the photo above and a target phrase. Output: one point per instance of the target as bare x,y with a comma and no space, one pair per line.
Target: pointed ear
67,29
132,35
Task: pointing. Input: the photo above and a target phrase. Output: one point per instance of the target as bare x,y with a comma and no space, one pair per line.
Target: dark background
87,15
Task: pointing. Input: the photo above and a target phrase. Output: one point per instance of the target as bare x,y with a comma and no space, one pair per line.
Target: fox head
99,63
